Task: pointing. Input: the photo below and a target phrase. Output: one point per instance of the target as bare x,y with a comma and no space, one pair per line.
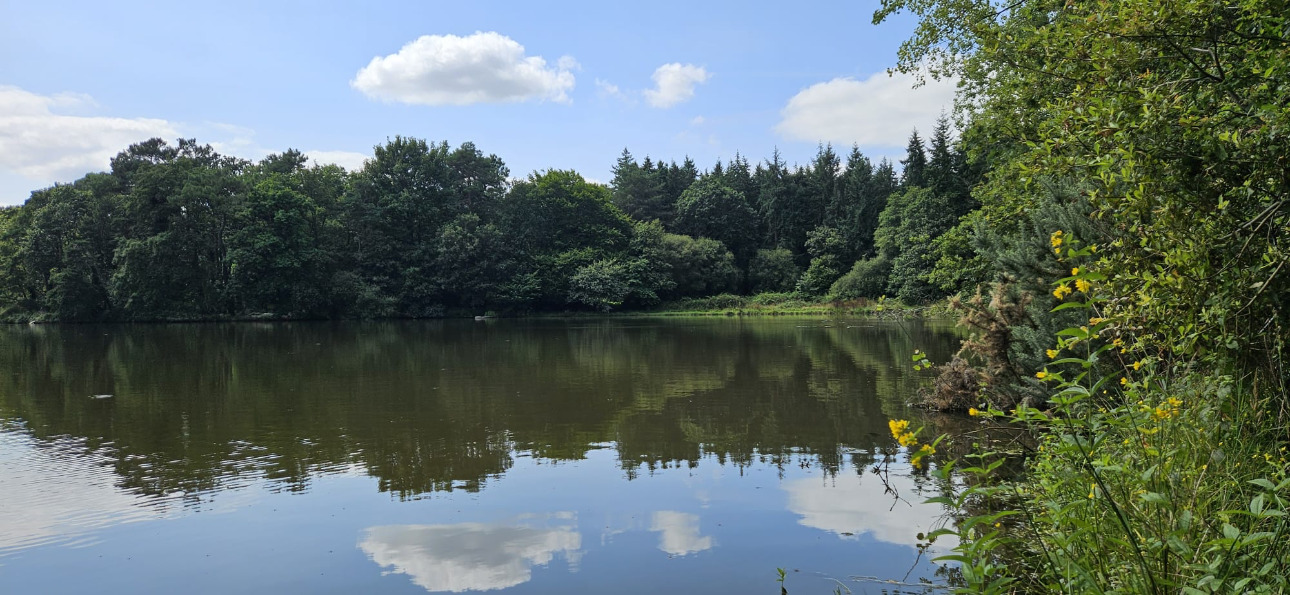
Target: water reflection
632,425
470,556
679,533
852,505
437,407
66,494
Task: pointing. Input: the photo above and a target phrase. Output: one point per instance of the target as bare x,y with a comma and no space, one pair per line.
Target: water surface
522,456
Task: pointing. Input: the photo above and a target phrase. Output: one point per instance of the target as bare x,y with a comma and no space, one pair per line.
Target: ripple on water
58,491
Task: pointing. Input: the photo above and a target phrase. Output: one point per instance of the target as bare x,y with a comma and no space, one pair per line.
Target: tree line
180,232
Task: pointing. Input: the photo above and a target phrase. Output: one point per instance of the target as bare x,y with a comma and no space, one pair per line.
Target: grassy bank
788,304
765,304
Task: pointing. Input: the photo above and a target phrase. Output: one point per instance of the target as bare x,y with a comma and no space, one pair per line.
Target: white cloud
41,141
349,160
674,83
697,121
451,70
679,533
878,111
608,89
469,556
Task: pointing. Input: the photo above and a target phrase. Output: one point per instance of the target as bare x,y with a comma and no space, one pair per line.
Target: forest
180,232
1108,214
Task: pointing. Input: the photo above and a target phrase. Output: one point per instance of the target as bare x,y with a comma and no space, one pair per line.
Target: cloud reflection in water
679,533
849,506
469,556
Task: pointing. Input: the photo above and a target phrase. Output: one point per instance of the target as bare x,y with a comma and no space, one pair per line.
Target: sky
543,85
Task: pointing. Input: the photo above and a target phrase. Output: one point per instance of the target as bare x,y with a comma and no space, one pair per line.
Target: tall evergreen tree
915,163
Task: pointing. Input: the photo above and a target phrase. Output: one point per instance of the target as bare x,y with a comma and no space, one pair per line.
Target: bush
776,298
866,279
698,266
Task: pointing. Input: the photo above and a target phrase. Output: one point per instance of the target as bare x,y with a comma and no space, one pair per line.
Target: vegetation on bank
1134,222
180,232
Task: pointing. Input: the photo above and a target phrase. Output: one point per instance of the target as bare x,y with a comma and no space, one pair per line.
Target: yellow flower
1137,365
973,412
1052,353
1042,374
1062,291
1056,239
1123,381
1083,285
1118,342
1175,402
1074,271
897,426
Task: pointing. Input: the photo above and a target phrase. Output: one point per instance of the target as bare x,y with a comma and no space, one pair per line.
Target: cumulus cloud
451,70
349,160
42,140
674,83
878,111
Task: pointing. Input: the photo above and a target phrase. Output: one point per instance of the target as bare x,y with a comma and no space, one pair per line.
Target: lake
691,455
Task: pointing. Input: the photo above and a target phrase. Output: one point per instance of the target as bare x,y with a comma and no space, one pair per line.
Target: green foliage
827,249
906,228
601,285
180,232
709,209
1144,478
698,266
471,262
1172,117
867,278
649,191
773,270
1160,468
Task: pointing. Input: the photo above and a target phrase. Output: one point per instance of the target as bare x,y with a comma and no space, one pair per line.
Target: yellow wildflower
1137,365
1062,291
1083,285
972,411
1074,271
1052,353
1123,381
1056,239
1042,374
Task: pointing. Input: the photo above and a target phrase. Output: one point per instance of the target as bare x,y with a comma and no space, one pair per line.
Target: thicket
1132,236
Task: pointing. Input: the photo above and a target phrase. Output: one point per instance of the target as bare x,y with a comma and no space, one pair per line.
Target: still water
519,456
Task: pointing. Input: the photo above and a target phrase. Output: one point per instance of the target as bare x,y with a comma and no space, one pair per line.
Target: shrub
866,279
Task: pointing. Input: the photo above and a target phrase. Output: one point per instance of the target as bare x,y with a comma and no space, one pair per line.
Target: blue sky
541,84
